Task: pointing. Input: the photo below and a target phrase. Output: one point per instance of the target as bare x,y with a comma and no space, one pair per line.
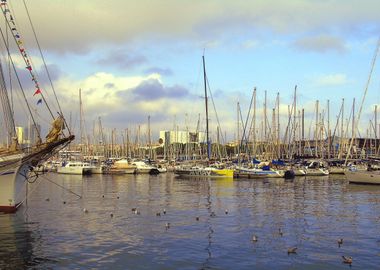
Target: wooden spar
206,104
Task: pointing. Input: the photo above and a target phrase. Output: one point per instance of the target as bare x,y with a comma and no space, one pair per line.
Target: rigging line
9,70
51,181
216,113
245,125
19,82
363,98
43,60
32,74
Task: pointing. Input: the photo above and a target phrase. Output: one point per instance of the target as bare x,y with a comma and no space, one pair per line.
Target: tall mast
341,131
375,129
278,126
206,103
328,130
363,98
295,115
316,127
7,110
254,123
265,116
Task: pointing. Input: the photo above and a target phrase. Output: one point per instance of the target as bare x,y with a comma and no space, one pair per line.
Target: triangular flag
39,101
38,91
29,68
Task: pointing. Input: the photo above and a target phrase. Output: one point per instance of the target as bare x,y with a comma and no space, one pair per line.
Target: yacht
74,167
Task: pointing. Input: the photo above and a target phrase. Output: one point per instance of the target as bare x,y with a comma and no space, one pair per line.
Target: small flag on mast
38,91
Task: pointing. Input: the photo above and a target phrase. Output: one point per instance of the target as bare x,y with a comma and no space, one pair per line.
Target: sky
138,58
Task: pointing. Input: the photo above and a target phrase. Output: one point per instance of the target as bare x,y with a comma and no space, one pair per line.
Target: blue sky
138,58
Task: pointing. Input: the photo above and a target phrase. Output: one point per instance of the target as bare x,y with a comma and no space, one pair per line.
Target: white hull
299,172
16,168
13,185
363,177
317,172
73,170
259,173
336,170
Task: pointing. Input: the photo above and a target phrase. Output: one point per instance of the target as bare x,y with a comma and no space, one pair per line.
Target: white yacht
74,167
142,167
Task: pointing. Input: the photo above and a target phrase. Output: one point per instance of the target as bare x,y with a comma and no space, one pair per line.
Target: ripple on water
311,212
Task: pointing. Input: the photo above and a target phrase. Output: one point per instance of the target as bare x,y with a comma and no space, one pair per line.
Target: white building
181,136
20,134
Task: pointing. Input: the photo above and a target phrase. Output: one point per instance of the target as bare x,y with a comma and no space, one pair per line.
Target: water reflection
311,212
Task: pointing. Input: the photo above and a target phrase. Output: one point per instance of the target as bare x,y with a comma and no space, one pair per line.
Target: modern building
181,136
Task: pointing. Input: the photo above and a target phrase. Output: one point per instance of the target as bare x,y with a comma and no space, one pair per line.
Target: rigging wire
21,48
43,60
19,82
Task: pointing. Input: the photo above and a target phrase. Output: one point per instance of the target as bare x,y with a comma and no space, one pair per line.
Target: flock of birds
291,250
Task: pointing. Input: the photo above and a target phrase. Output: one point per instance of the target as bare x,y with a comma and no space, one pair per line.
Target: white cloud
79,25
332,80
250,44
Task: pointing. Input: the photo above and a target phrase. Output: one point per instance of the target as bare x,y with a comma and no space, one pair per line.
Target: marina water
207,224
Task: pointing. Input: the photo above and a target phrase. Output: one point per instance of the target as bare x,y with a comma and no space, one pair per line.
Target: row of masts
266,141
255,138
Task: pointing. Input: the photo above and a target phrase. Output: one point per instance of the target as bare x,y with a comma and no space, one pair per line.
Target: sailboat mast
206,103
7,109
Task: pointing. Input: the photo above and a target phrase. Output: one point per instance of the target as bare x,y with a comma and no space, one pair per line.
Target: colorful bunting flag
39,101
29,68
38,91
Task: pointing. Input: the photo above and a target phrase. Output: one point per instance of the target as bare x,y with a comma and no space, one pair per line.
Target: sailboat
17,161
354,175
208,171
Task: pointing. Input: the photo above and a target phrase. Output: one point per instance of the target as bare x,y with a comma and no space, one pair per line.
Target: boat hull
257,173
13,186
70,170
363,177
316,172
205,172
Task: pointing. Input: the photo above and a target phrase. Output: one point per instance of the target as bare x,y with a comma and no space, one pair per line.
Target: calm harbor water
52,231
